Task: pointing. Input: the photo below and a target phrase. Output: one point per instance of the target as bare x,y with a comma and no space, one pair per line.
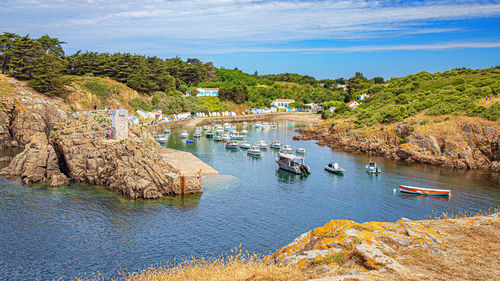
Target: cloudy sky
325,39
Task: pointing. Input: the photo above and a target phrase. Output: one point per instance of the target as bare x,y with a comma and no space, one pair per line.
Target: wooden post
183,185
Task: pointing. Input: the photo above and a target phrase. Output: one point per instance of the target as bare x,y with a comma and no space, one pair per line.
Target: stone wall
119,129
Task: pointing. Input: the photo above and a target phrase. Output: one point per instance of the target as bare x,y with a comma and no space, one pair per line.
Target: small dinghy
276,144
233,145
372,168
218,138
424,191
334,168
300,150
288,149
245,145
262,144
189,141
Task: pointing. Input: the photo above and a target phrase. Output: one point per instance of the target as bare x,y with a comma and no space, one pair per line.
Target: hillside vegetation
458,92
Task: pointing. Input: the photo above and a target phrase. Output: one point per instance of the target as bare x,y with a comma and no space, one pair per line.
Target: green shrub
325,114
437,121
140,103
425,121
447,118
492,113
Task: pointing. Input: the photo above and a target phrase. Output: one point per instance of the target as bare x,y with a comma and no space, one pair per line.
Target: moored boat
334,168
300,150
276,144
292,163
218,138
197,134
184,134
262,144
372,168
288,149
161,139
167,131
244,132
245,145
226,137
233,145
424,191
209,134
254,151
189,141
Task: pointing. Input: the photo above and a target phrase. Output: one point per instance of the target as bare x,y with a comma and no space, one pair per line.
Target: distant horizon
325,39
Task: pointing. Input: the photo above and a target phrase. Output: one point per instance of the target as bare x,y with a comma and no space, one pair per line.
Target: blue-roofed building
206,92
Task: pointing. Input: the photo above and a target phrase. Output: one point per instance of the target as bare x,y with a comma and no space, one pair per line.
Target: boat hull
424,191
335,171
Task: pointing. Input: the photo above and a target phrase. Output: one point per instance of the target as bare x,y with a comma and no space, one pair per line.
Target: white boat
266,126
233,145
162,139
226,137
218,138
244,123
167,131
372,168
262,144
276,144
219,130
292,163
300,150
244,132
184,134
254,151
245,145
205,128
288,149
274,125
197,134
258,125
334,168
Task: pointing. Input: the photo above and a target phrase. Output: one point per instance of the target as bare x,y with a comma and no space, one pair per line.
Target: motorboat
219,130
245,145
424,191
167,131
244,132
266,126
206,128
218,138
300,150
244,123
233,145
258,125
209,134
254,151
292,163
372,168
288,149
162,139
189,141
236,136
262,144
226,137
197,134
273,125
334,168
184,134
276,144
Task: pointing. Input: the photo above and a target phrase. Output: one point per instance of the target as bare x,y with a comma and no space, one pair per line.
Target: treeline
43,63
455,92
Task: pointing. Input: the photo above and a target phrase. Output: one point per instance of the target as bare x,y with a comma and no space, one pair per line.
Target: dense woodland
161,82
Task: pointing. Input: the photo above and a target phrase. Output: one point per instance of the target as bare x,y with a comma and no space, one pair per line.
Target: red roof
284,100
351,103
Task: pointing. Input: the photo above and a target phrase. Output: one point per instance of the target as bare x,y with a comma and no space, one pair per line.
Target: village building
344,86
353,104
119,125
282,103
206,92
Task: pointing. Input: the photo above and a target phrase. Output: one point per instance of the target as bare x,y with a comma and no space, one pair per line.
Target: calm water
50,233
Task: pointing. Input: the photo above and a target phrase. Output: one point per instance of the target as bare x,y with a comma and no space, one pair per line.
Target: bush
325,114
492,113
140,103
437,121
425,121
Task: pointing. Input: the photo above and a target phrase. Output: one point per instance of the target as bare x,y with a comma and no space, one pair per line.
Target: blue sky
325,39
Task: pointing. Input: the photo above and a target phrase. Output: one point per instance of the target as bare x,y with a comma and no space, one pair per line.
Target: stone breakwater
473,146
386,250
59,148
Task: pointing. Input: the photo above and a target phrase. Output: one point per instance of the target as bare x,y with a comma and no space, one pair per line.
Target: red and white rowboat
424,191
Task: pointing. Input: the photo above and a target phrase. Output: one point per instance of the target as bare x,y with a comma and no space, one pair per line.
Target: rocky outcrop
378,250
37,163
473,146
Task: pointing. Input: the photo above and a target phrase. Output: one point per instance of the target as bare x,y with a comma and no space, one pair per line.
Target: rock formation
473,146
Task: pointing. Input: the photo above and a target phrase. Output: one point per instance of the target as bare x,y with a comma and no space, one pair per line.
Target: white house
206,92
352,104
363,96
282,103
343,86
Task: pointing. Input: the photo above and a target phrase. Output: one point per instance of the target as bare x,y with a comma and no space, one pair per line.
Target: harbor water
49,233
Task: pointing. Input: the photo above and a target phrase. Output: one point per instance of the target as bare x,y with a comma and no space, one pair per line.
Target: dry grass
235,266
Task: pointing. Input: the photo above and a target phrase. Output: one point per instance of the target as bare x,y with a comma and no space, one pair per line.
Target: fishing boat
167,131
262,144
233,145
372,168
292,163
288,149
300,150
276,144
245,145
226,137
424,191
236,136
197,134
218,138
244,132
184,134
254,151
334,168
209,134
162,139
